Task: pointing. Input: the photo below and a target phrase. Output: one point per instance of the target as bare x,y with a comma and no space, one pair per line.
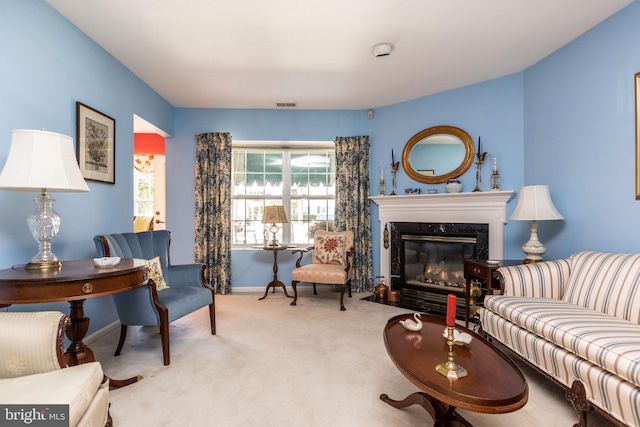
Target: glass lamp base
44,224
274,230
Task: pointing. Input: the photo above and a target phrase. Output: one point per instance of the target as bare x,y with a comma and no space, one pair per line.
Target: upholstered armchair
33,371
330,263
179,289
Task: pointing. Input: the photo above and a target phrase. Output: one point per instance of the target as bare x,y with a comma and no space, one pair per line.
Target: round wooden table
75,281
494,384
275,283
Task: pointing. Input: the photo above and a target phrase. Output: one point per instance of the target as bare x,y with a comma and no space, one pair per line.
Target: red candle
451,310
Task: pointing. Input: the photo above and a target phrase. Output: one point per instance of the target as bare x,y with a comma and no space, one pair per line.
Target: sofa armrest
31,342
545,279
186,275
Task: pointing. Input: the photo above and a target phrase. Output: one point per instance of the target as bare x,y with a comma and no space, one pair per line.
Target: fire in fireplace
427,261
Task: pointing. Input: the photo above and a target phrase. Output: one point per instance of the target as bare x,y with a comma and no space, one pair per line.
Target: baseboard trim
247,289
101,332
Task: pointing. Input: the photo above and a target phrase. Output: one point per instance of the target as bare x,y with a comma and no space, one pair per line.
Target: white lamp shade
535,204
39,159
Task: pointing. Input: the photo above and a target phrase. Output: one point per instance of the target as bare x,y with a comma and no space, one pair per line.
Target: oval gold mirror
438,154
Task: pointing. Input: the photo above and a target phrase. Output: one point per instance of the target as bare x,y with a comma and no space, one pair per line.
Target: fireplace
437,227
427,261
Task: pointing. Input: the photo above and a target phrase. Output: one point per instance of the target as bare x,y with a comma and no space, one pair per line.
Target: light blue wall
567,121
249,267
491,109
579,137
48,65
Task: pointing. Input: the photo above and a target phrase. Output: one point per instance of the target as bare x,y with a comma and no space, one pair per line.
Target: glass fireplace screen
431,261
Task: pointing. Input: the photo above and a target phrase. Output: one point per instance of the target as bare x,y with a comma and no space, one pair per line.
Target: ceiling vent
286,104
382,49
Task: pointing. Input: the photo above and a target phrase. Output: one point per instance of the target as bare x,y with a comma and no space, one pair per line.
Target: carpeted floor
271,364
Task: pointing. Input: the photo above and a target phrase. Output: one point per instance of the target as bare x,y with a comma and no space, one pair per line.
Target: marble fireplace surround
488,207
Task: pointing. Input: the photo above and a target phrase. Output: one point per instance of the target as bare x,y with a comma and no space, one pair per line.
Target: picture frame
96,144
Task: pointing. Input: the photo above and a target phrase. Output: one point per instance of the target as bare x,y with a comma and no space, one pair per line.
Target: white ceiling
254,53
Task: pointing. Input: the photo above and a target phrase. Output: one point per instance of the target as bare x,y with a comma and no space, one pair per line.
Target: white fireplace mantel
489,207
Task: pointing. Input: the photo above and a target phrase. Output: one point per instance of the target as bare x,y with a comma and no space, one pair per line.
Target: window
300,177
142,193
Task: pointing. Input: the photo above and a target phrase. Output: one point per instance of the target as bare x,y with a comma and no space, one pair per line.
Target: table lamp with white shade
274,215
43,162
535,204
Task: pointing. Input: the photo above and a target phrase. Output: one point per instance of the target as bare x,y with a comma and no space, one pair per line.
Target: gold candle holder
495,181
451,369
394,170
479,162
495,176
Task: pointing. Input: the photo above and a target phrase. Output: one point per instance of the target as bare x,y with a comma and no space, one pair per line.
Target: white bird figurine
459,338
412,325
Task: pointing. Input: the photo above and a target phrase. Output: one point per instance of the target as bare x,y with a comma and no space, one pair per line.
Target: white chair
330,263
33,370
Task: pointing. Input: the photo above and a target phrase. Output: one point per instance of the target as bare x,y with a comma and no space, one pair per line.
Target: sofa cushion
608,283
155,274
75,386
610,393
605,340
329,248
319,273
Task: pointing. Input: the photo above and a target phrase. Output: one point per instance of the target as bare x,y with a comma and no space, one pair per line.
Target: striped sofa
578,321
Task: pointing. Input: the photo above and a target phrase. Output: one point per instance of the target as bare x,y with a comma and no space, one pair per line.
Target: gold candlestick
495,180
451,369
479,162
394,170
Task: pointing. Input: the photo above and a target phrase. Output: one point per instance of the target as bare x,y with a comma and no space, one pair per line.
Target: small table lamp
273,215
42,161
535,205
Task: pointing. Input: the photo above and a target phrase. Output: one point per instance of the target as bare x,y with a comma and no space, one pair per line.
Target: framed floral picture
96,141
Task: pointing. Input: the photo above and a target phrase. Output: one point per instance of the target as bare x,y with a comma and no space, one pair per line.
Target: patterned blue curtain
213,208
353,210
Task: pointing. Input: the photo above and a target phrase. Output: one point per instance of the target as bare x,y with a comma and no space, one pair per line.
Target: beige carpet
275,365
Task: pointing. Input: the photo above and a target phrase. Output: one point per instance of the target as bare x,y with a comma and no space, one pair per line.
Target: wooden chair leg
212,317
212,312
123,335
164,336
342,298
314,289
295,292
349,287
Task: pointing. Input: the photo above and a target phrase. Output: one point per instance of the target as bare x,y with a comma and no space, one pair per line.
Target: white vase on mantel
453,186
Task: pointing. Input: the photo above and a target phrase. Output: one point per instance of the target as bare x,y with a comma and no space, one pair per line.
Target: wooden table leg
443,415
275,282
78,352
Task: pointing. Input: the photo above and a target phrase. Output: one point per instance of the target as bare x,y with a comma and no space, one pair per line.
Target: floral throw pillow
155,274
329,248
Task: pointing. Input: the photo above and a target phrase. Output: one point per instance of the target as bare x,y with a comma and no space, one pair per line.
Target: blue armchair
187,290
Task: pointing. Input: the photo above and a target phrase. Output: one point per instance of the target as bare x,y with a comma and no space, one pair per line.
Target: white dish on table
491,261
106,261
459,338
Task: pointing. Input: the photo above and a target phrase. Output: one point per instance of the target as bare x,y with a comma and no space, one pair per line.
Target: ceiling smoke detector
382,49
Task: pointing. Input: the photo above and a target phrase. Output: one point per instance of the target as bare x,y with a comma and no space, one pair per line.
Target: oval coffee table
494,384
